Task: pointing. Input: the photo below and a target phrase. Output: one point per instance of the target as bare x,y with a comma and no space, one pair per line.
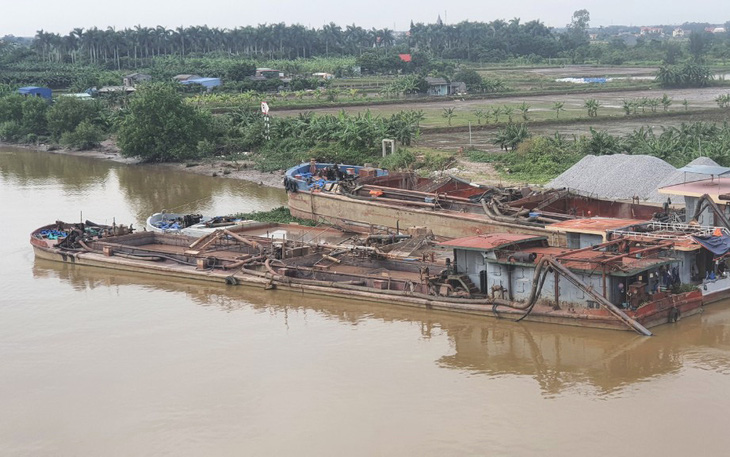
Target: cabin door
483,281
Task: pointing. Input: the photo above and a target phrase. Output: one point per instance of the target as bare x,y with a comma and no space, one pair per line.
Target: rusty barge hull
350,213
658,313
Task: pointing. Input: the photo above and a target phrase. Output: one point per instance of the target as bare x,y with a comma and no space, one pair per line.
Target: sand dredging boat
639,277
359,198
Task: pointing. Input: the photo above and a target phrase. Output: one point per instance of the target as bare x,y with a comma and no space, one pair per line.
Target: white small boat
195,225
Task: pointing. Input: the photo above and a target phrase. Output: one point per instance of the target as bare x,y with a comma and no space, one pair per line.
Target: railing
677,231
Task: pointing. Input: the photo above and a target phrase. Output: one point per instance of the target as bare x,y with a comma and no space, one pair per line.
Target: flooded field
97,362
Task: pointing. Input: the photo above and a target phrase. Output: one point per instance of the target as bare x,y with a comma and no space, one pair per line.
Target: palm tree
592,106
480,113
524,107
666,102
654,104
511,136
558,107
496,112
449,113
180,38
509,111
628,106
331,33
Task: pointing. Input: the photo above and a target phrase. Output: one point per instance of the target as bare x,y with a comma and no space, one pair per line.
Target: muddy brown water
96,362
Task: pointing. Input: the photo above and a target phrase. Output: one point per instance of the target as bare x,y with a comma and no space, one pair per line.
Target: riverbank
216,167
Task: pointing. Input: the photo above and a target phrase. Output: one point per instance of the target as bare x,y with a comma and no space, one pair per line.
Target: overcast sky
60,16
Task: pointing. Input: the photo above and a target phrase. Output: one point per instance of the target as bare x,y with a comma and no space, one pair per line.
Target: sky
24,19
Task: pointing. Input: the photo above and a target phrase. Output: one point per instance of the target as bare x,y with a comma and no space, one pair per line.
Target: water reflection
558,358
144,189
150,189
28,168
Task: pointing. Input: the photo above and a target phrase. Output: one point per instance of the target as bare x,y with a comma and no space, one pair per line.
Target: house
80,96
323,75
437,86
208,83
180,78
652,31
116,89
33,91
268,73
133,79
457,88
678,33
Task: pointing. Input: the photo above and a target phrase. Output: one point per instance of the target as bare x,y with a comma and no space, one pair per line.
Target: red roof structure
490,241
405,57
595,225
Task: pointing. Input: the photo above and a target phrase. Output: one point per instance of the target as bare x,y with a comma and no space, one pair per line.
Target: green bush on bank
85,136
159,127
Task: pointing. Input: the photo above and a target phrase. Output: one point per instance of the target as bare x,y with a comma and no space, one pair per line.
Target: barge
627,282
363,198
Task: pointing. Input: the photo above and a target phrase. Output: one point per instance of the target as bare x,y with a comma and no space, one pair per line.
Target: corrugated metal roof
713,187
706,169
491,241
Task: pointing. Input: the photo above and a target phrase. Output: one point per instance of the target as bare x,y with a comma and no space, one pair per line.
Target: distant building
180,78
268,73
33,91
80,96
457,88
678,33
437,86
116,89
133,79
323,75
208,83
651,31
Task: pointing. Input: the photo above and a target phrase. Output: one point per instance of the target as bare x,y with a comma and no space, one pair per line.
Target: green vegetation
280,215
540,159
691,74
166,122
159,127
22,119
723,101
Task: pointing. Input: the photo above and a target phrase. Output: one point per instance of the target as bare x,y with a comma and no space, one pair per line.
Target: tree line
129,47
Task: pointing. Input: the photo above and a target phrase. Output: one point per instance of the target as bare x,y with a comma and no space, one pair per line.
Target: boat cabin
625,272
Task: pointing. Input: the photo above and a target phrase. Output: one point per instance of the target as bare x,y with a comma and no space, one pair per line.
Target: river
95,362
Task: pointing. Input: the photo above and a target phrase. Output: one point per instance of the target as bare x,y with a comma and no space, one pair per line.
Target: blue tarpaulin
34,91
718,245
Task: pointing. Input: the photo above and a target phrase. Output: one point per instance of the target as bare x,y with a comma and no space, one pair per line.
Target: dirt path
697,98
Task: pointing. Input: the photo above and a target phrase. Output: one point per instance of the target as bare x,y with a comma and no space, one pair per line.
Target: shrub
85,136
11,131
160,127
67,113
398,161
